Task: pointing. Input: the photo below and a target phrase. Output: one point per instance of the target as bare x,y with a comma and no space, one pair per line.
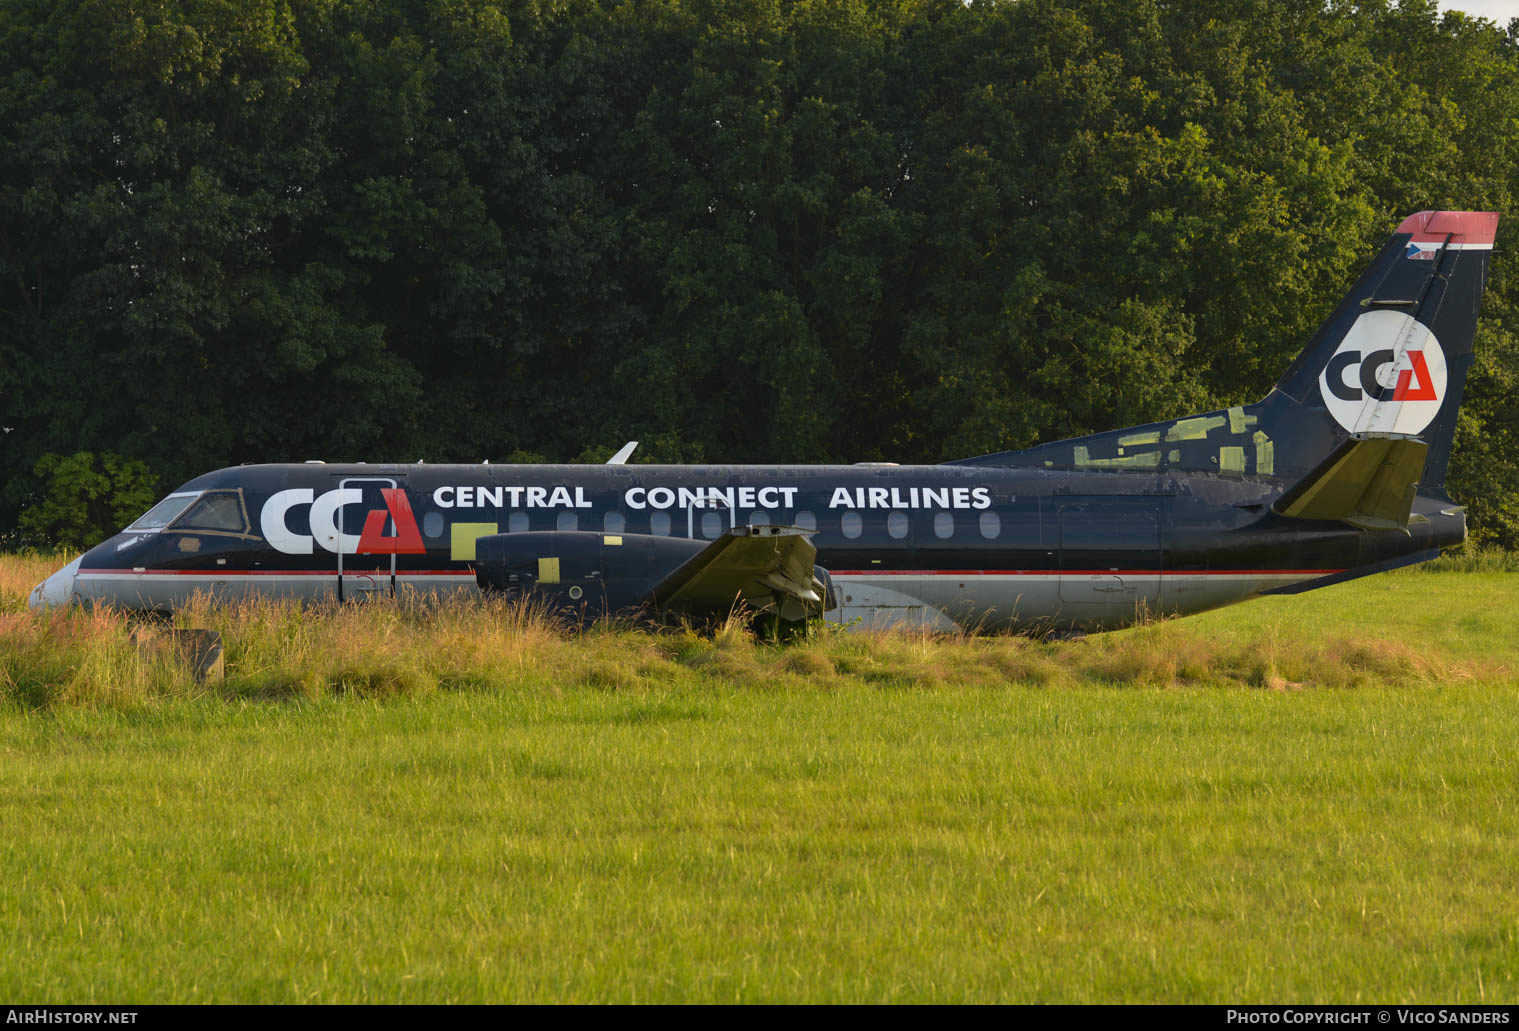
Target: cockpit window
217,512
163,513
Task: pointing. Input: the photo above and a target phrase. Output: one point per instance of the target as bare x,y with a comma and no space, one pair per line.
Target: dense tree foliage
746,230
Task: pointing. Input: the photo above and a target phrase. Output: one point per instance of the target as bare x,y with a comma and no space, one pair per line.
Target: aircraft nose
57,589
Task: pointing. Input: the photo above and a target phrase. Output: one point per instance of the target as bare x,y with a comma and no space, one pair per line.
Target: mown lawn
1300,799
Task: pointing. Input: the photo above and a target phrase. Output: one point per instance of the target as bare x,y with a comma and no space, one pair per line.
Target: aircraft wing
1369,482
754,564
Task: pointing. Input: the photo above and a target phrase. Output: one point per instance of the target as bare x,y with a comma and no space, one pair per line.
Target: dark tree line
737,230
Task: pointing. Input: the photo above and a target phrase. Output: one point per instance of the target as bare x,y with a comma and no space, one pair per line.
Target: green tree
85,498
823,230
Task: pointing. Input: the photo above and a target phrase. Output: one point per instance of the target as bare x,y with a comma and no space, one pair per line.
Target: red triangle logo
1425,391
408,539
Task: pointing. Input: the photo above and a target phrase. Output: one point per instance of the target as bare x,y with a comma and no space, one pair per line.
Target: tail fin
1391,361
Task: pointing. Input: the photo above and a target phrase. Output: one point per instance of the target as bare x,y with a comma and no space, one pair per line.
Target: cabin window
806,520
163,513
991,525
896,525
567,521
659,524
517,523
851,524
944,525
712,525
614,523
217,512
432,525
759,518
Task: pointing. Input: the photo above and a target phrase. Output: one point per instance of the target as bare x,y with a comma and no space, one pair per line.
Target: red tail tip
1464,227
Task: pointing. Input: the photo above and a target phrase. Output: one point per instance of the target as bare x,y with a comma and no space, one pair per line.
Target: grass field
1299,799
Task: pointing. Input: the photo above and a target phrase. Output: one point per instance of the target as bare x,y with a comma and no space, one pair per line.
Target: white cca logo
1388,375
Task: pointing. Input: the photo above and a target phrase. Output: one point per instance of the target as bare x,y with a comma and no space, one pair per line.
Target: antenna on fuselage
621,458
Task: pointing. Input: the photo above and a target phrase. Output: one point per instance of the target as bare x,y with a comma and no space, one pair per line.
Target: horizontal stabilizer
1396,562
752,564
1369,482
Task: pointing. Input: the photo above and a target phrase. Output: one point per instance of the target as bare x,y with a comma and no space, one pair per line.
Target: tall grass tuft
281,650
83,658
20,573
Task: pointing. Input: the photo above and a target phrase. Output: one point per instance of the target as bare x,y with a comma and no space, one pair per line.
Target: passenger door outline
362,578
1111,551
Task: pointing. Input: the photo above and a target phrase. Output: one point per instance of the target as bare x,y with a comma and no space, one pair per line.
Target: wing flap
749,564
1368,482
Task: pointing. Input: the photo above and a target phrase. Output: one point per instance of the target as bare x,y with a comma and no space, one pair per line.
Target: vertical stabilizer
1390,361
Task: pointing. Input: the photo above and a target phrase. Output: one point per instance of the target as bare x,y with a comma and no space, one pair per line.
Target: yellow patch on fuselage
1195,428
462,537
1265,454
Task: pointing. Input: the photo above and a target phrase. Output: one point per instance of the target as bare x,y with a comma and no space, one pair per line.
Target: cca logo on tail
1388,375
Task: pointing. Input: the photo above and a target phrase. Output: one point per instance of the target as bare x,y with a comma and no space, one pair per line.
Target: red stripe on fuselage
1084,572
276,572
835,572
